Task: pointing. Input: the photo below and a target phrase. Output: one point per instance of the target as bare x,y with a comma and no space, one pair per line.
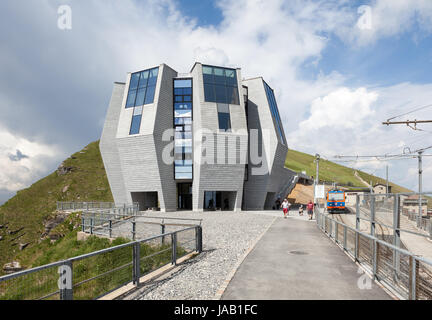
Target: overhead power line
408,122
404,114
386,156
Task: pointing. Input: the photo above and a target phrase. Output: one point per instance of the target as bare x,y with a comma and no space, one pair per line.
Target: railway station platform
294,260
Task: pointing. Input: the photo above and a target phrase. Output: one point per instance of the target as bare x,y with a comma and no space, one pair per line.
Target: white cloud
390,18
349,122
343,109
269,38
19,172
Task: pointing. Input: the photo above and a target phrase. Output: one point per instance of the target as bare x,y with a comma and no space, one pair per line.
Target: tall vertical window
275,112
224,117
136,120
183,128
220,85
142,87
141,91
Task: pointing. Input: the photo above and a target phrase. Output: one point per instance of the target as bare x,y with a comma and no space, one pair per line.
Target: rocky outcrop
62,169
12,232
11,267
22,246
53,222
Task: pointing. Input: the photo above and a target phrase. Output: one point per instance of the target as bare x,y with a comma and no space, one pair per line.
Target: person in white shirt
285,206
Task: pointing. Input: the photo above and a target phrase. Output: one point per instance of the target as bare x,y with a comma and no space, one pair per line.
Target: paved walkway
294,260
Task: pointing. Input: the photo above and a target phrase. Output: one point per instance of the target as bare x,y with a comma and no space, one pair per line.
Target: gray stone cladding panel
165,121
108,146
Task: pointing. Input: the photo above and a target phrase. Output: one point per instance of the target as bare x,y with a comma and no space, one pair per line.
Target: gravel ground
226,237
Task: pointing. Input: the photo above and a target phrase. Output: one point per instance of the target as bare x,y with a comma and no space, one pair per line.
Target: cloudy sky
339,68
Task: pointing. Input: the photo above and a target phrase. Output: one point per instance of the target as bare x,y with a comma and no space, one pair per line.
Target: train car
336,201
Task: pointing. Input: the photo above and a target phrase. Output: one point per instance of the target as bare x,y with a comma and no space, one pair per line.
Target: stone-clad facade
205,140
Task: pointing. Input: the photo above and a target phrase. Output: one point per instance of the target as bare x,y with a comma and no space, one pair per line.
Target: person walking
285,207
310,208
301,210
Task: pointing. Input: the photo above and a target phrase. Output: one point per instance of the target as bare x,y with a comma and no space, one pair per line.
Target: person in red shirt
285,206
310,208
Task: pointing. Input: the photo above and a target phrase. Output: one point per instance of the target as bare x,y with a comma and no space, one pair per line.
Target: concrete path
294,260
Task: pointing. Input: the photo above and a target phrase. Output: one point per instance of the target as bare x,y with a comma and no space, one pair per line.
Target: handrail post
375,258
133,229
198,239
163,231
357,246
430,229
110,228
372,212
82,224
357,235
336,232
345,238
413,276
91,225
136,270
357,212
174,248
396,236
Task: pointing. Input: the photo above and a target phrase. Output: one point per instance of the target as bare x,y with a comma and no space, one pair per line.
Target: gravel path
226,238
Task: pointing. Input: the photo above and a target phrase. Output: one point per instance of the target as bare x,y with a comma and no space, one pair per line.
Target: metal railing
93,275
387,212
112,224
405,274
425,222
94,205
72,205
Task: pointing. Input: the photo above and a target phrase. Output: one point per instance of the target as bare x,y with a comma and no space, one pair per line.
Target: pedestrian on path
285,206
310,208
301,210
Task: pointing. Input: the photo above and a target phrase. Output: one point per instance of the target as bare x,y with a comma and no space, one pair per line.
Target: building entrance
184,196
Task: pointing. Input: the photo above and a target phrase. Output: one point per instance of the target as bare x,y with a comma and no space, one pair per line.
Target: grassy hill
23,216
330,171
82,177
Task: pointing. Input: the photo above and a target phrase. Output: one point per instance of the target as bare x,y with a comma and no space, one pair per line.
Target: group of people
285,205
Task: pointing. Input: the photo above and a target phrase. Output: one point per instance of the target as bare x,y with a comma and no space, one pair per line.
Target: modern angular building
204,140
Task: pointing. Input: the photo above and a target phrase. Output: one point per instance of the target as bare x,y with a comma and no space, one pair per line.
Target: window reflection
220,85
182,125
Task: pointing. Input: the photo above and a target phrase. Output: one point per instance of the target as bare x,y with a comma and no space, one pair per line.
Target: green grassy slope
330,171
32,206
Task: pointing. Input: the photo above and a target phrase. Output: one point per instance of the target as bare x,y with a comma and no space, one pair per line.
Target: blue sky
333,80
206,12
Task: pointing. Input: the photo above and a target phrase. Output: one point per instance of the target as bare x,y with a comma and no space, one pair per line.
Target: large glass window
220,85
183,129
142,87
224,117
275,112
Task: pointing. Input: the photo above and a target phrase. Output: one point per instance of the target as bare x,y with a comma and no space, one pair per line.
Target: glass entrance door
184,199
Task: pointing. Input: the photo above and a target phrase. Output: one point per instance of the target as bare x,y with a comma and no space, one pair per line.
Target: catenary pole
420,171
317,159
